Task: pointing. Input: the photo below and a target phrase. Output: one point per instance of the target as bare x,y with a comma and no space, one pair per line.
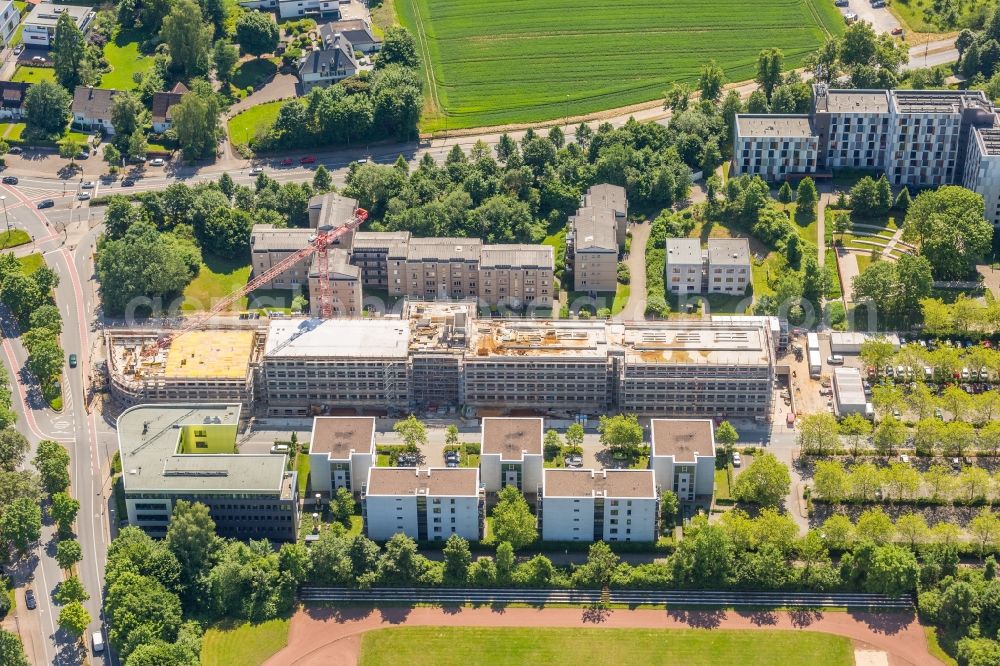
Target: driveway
848,264
282,86
635,309
881,19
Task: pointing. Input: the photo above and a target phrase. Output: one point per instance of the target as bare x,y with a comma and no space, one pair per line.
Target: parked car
29,599
16,150
841,3
83,155
46,203
72,360
89,185
128,182
897,32
938,414
157,161
83,196
256,171
836,359
97,639
308,159
10,180
905,459
38,59
288,161
737,460
18,49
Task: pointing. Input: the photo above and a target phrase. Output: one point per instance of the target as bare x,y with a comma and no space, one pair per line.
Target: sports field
496,63
459,646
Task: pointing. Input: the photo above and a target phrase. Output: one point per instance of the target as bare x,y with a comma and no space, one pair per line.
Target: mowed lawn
125,59
460,646
532,60
29,74
243,644
217,279
244,126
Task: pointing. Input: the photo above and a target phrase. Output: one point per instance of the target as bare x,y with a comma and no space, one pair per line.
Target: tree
70,590
457,558
985,528
770,62
875,526
901,480
13,449
413,431
711,81
893,571
513,521
806,197
399,47
196,121
830,480
112,156
140,610
889,435
63,510
401,563
189,39
857,429
818,433
766,482
621,433
599,568
959,606
726,435
948,225
11,650
574,435
669,506
68,553
52,462
677,96
21,525
128,115
837,531
912,528
69,53
191,538
322,181
256,33
877,352
224,59
46,107
342,506
785,193
21,294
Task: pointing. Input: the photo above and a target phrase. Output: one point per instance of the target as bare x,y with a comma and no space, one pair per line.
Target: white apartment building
775,146
9,18
424,504
592,505
40,25
982,170
682,456
341,451
728,265
300,8
511,453
684,266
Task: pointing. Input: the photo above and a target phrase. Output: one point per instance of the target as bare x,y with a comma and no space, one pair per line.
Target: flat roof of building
683,251
684,439
332,209
444,249
608,483
937,101
47,13
594,228
432,482
149,440
795,126
606,195
268,238
540,338
729,251
219,354
697,343
859,338
848,386
512,438
855,101
989,140
340,436
380,239
360,338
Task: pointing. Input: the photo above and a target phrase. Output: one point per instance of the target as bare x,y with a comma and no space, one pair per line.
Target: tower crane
319,245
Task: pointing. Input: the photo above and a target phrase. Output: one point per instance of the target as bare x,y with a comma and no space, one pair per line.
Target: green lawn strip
835,290
29,74
31,262
722,490
125,58
864,261
473,49
217,278
302,467
934,647
458,646
245,126
913,14
254,72
357,525
13,238
243,644
621,298
764,271
728,304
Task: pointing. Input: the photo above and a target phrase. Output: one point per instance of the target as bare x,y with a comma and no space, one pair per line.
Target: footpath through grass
571,57
459,646
243,644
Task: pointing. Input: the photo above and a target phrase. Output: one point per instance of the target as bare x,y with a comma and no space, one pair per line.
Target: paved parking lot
881,19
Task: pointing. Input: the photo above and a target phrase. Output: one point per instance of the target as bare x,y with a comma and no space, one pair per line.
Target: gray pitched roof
355,31
93,102
330,60
595,229
732,251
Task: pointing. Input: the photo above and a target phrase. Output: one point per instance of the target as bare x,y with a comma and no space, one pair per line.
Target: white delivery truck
815,364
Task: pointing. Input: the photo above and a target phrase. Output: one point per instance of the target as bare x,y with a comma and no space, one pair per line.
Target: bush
624,275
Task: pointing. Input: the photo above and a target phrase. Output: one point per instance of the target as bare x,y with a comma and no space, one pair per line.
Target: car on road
89,185
18,49
16,150
128,182
97,640
836,359
288,161
308,159
46,203
72,360
897,32
841,3
737,460
10,180
156,161
83,196
363,160
29,599
256,171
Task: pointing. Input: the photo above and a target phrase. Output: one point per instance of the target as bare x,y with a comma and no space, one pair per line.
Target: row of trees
965,606
964,317
30,299
901,482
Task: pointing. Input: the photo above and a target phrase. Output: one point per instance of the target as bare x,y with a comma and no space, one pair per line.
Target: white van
98,640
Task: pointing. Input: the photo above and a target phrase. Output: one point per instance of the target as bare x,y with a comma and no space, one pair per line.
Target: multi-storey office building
511,453
682,456
188,452
341,450
919,138
591,505
424,504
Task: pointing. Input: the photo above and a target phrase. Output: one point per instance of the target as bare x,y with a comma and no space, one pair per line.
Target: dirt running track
332,636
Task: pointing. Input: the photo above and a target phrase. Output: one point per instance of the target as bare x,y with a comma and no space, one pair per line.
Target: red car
287,162
308,159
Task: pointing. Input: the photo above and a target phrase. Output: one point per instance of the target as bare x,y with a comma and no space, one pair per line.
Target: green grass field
440,646
255,72
920,15
495,64
218,278
123,55
29,74
244,126
243,644
13,238
31,262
